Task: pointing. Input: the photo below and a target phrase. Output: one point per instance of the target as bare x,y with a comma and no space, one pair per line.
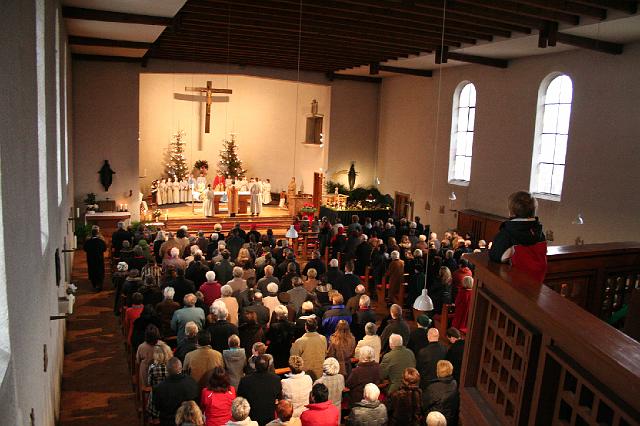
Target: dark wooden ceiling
330,35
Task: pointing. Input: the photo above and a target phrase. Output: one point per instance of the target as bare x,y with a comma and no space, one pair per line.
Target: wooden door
402,206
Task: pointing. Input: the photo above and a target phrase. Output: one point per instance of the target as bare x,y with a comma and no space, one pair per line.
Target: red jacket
321,414
463,305
459,274
211,292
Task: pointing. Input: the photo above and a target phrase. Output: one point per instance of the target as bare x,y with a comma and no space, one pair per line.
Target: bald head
395,311
433,335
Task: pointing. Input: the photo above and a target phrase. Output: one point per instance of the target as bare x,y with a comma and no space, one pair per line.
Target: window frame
455,114
538,136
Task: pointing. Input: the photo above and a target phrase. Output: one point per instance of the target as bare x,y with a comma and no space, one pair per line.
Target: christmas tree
230,165
177,164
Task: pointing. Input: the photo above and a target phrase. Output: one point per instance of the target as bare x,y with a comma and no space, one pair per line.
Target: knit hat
424,321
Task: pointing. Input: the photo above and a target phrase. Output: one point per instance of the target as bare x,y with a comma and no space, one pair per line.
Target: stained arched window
462,125
552,134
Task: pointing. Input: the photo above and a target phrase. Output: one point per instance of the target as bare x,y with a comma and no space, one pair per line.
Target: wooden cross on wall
209,90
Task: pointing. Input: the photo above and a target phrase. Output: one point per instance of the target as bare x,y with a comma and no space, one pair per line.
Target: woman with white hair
367,371
219,327
240,409
226,296
332,380
157,243
369,411
280,336
210,289
372,340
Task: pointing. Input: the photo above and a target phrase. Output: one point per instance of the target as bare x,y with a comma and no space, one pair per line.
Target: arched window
462,124
552,133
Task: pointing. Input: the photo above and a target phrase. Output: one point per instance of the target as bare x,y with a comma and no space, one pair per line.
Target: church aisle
96,386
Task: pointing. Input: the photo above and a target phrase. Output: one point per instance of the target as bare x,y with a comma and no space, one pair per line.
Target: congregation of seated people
232,329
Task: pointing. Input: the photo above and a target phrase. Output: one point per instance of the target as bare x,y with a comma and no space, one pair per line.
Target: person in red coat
458,275
321,411
217,397
133,313
210,289
463,304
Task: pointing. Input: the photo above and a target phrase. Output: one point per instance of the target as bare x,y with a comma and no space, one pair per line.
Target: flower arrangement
308,208
201,165
156,215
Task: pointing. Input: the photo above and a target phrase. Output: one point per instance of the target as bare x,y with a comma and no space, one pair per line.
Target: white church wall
602,156
29,241
105,104
267,116
106,122
354,130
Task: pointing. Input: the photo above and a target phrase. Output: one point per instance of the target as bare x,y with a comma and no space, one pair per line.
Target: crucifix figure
209,90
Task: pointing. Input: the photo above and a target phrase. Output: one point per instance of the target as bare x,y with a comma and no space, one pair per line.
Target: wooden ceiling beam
472,9
222,55
107,16
203,37
189,24
481,60
376,67
346,57
516,9
90,41
590,43
384,11
349,77
336,27
627,6
570,7
246,62
104,58
264,10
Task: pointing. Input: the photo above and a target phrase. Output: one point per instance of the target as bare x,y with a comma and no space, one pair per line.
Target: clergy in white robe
184,189
175,185
255,189
207,206
266,192
191,182
168,192
159,192
201,184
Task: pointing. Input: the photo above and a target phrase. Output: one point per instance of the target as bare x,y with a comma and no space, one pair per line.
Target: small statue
106,175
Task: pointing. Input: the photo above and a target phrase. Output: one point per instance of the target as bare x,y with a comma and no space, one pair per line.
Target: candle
126,207
77,211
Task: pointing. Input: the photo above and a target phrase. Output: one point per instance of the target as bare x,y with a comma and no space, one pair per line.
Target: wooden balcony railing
535,358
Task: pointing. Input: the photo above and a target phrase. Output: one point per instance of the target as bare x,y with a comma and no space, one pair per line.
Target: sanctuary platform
272,217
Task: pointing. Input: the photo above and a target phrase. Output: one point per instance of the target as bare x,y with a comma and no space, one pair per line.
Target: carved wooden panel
509,351
574,397
616,291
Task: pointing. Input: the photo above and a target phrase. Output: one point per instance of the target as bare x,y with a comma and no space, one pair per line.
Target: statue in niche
352,176
106,175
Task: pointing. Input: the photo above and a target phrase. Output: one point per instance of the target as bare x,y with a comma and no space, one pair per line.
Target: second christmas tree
230,164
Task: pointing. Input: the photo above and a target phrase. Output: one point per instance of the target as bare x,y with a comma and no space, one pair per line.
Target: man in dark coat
428,358
262,312
363,255
224,268
455,352
315,263
261,389
396,325
170,394
222,329
234,243
196,271
95,248
442,394
182,286
118,237
334,274
346,285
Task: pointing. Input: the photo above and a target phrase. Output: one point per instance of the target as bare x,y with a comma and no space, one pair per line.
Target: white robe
184,189
266,192
168,193
159,194
176,191
255,189
207,205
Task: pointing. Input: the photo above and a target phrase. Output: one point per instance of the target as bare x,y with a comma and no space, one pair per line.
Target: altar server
255,188
207,206
175,186
266,192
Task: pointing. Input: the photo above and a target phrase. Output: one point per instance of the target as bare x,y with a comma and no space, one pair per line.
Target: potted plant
90,203
309,211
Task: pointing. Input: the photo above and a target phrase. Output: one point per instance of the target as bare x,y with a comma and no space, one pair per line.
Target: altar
107,221
244,198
